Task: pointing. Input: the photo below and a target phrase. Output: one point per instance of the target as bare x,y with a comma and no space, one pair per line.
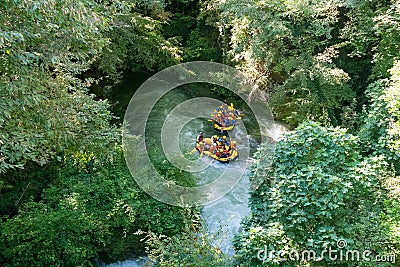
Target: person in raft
223,141
232,146
225,107
199,141
200,137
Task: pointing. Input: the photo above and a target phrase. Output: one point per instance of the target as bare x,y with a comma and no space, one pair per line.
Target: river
222,217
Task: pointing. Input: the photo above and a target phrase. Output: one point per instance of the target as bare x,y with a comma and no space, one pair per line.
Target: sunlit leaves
287,47
380,130
50,33
318,188
45,110
387,28
89,211
136,42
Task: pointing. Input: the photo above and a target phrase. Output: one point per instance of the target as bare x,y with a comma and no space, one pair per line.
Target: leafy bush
380,131
321,190
45,111
88,212
192,247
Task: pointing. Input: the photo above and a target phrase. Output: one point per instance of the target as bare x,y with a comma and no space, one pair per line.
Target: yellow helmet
234,142
224,137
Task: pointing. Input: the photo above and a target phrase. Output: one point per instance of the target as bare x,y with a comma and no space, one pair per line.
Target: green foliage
191,25
202,45
204,41
46,112
182,19
136,42
357,28
22,185
392,221
313,91
315,58
191,248
380,131
321,190
42,237
68,43
43,102
370,29
88,212
387,28
68,198
289,48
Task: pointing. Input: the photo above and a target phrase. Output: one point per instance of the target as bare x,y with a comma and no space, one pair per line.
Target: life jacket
225,154
211,148
213,140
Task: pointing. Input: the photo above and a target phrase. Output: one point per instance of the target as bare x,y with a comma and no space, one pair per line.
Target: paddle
193,150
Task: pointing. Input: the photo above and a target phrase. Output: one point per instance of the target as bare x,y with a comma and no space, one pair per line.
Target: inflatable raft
204,148
221,128
225,117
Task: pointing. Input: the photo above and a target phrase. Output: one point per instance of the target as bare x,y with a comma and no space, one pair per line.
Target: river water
222,217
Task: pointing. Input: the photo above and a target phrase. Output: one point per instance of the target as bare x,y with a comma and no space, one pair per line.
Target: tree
46,111
380,130
288,49
90,211
136,40
320,191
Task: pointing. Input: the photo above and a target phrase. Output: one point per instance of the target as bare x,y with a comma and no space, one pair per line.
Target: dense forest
331,73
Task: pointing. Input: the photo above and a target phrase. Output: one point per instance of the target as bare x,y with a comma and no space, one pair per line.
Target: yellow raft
233,153
221,128
218,126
